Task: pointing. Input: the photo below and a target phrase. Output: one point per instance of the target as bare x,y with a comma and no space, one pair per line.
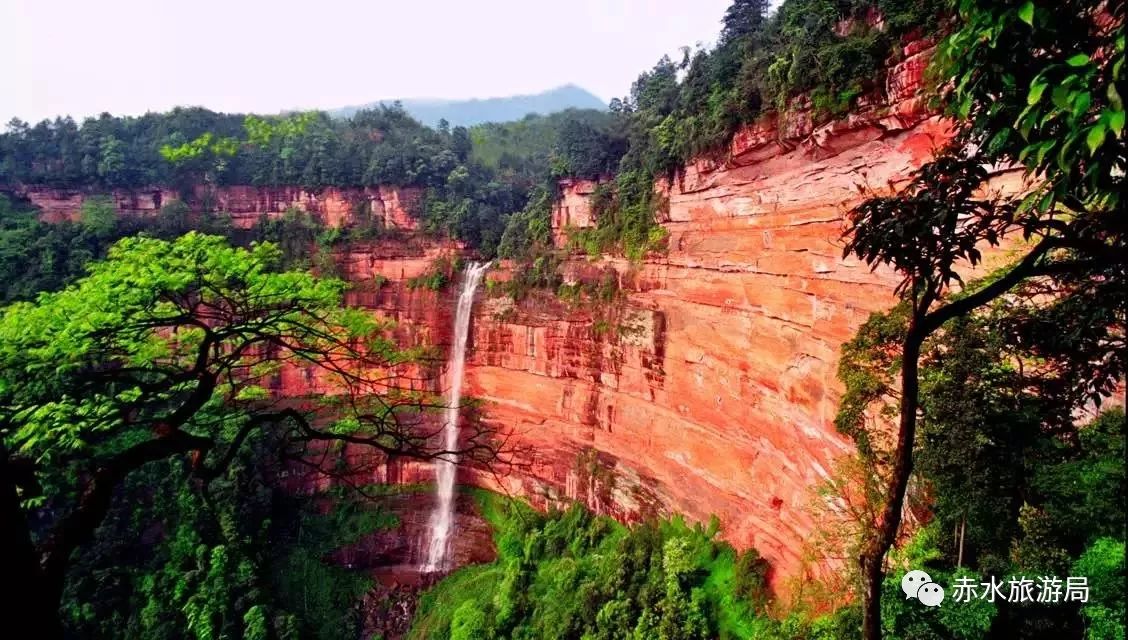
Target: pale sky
83,57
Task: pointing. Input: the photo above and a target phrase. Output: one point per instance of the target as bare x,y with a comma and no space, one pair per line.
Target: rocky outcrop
393,207
398,552
58,205
572,210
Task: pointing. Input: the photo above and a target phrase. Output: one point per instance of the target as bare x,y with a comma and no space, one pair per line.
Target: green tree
167,350
743,18
98,215
111,162
1071,139
1104,566
469,623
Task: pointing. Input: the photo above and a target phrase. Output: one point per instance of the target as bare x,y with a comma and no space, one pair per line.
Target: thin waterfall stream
446,467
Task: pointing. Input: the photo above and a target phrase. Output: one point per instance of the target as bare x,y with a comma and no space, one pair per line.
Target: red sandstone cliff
393,206
722,402
573,209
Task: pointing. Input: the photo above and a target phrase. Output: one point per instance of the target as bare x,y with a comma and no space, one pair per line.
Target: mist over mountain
476,111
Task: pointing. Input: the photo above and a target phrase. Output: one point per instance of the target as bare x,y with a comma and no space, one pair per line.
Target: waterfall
442,518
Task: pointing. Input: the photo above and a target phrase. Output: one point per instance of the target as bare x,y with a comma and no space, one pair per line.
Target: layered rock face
392,206
384,276
711,389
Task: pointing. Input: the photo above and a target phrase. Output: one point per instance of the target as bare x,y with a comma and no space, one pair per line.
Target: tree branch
1024,269
79,526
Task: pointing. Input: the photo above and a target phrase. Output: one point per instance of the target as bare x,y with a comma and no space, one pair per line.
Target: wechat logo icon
918,584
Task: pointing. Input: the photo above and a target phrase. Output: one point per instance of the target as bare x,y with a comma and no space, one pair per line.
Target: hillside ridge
472,111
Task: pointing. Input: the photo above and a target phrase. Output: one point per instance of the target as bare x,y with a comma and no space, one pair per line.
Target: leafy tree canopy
166,350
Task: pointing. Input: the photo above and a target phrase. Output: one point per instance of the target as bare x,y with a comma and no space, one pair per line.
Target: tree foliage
169,350
572,575
1067,292
238,560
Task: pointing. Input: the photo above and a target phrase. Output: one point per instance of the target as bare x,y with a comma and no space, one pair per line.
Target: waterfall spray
442,518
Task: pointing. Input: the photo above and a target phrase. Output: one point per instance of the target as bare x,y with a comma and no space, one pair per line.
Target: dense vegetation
573,575
137,446
1027,348
1013,484
539,146
241,560
190,145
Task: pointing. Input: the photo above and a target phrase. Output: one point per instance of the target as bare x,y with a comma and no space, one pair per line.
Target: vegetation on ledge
441,272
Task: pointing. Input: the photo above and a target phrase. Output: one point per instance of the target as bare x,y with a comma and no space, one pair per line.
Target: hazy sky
82,57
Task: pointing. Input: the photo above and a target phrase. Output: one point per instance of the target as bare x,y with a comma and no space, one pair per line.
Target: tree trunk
963,530
28,604
873,555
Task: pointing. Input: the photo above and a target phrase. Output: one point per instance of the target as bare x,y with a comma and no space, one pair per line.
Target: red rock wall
246,204
573,209
381,274
57,205
334,206
721,399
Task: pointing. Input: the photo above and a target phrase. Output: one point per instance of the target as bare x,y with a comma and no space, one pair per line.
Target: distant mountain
471,112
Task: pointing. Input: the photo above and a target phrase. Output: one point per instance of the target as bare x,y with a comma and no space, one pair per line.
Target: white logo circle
930,594
912,582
